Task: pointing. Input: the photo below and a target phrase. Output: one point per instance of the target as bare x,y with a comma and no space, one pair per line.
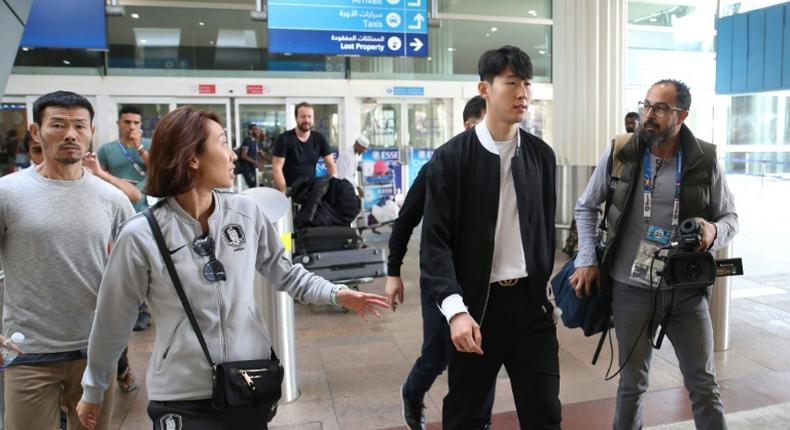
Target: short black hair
633,115
301,105
682,92
251,125
12,133
474,107
128,109
494,61
64,99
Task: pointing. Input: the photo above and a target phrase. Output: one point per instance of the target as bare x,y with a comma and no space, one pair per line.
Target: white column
589,77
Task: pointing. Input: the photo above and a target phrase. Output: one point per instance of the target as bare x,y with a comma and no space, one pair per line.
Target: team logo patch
170,422
234,236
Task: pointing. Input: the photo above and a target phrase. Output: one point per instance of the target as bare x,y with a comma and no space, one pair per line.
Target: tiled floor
350,371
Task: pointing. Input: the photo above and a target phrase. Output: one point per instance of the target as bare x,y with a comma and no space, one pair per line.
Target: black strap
602,226
160,242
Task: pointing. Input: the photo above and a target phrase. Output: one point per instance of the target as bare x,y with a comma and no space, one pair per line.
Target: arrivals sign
349,27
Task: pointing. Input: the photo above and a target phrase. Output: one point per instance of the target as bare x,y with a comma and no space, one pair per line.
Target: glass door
326,120
220,106
382,167
428,128
13,126
270,117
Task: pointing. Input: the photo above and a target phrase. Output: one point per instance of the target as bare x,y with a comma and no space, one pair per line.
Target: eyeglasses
660,109
213,270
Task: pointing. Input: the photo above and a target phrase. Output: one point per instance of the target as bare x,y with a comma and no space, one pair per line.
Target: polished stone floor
350,371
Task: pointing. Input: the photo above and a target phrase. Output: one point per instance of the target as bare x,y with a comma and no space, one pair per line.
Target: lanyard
131,160
648,188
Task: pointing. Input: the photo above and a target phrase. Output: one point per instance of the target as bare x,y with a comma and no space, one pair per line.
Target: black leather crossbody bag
253,384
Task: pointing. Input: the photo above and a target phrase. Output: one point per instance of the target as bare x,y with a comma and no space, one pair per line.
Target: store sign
255,89
207,89
349,27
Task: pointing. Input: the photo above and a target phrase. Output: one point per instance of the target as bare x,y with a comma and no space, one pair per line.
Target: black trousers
199,415
519,334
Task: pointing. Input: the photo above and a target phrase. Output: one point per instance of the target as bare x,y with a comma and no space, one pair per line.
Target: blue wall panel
740,52
724,55
774,21
753,51
786,50
756,51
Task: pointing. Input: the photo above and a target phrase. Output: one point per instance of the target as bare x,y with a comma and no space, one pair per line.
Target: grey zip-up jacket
245,241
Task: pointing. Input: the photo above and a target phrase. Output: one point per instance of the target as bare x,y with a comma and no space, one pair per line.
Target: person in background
218,241
435,332
248,155
33,149
297,151
631,122
348,163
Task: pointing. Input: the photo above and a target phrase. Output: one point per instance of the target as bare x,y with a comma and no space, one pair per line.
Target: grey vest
699,160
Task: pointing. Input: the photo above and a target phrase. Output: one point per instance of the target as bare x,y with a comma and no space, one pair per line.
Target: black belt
508,282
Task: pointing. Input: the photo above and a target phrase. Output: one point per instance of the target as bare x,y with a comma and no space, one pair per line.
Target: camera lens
688,226
692,270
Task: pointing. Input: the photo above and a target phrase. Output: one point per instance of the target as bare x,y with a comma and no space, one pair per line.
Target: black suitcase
319,239
347,264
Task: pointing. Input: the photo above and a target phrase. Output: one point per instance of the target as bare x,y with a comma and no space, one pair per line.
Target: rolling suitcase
319,239
346,264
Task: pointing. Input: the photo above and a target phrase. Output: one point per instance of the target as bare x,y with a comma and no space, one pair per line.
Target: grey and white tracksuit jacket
245,241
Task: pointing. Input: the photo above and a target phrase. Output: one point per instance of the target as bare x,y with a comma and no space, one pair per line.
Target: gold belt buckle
508,282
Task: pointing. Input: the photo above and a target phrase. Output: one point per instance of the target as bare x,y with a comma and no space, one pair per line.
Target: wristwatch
140,149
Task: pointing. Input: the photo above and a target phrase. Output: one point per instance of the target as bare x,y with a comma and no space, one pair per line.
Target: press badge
656,239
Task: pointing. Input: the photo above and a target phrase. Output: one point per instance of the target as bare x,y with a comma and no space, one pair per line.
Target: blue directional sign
349,27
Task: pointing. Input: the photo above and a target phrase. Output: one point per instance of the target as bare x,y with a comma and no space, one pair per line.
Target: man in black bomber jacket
488,251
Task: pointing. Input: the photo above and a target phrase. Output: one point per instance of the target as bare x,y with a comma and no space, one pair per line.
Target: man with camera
656,177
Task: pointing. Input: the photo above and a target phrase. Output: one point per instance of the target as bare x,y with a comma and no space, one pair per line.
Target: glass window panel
505,8
325,121
13,116
429,124
381,123
218,108
753,120
455,49
150,113
270,119
539,119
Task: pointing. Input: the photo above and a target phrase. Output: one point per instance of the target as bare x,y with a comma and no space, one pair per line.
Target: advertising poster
381,173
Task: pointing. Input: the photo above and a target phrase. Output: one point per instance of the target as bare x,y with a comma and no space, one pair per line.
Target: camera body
686,267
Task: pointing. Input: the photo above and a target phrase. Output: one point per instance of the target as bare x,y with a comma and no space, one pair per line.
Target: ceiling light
201,23
488,34
451,49
210,42
135,16
494,29
532,12
25,48
653,19
430,59
66,62
541,52
143,41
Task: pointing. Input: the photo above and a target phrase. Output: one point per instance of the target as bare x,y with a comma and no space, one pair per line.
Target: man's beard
656,139
304,126
65,160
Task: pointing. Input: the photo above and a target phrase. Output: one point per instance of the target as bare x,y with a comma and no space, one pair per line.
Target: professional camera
687,267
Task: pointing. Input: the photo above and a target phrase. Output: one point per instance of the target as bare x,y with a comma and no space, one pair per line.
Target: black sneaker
412,412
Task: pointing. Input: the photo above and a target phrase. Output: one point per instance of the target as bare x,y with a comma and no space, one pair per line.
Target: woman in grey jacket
216,241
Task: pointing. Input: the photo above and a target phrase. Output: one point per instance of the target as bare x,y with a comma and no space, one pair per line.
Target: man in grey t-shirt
57,224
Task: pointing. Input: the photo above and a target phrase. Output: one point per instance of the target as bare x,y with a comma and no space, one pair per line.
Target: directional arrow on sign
416,44
418,19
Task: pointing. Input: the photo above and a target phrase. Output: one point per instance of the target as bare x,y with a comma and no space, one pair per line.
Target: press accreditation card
657,238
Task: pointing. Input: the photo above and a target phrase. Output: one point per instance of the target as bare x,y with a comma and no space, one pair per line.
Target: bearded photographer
659,175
